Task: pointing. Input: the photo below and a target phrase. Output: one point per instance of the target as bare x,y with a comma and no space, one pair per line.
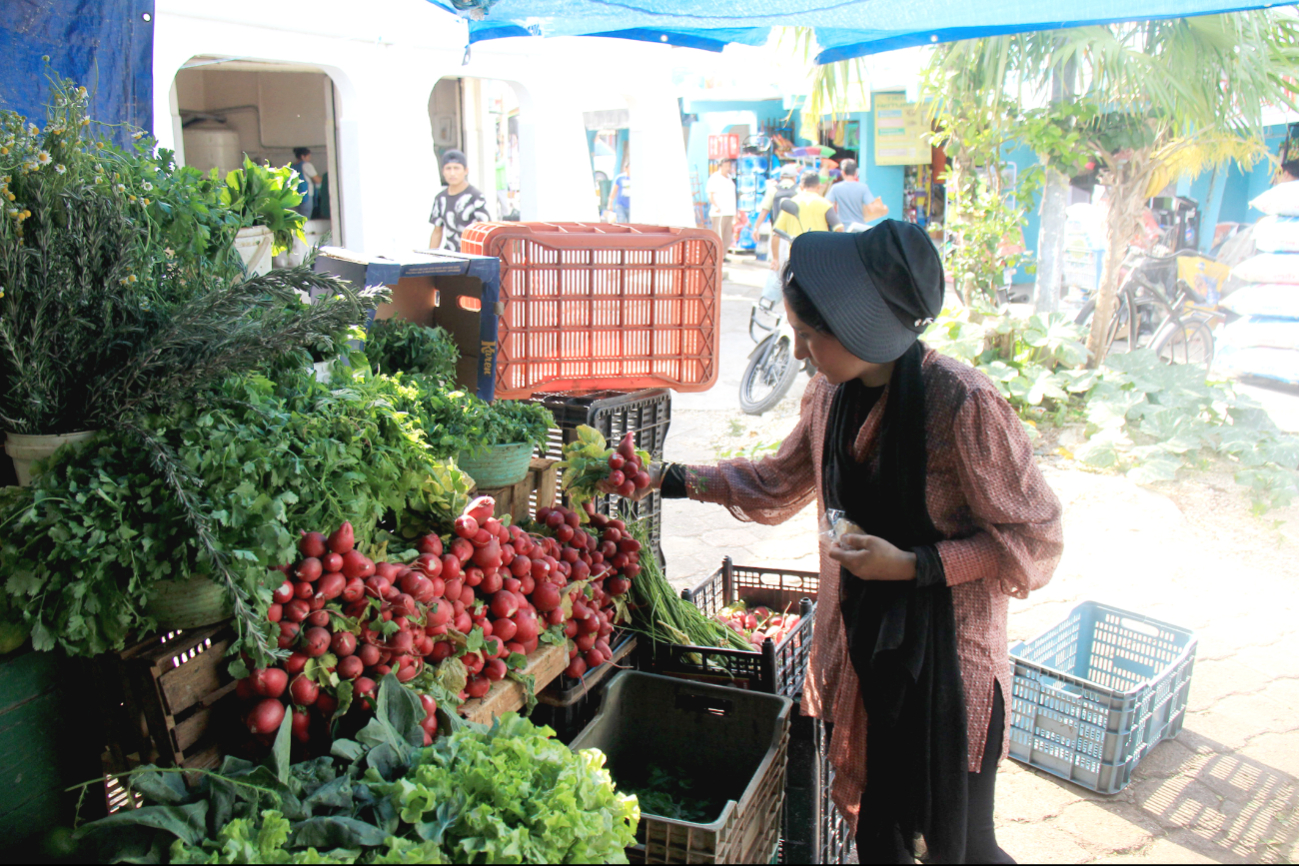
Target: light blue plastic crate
1096,692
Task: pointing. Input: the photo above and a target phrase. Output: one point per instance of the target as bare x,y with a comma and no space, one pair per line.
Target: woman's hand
872,558
656,472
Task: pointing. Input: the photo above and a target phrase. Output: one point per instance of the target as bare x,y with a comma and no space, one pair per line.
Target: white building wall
384,60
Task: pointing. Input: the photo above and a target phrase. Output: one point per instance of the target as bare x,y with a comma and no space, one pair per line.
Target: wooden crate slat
188,683
507,696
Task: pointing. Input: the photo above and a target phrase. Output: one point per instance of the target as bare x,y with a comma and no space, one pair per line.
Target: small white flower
137,135
147,186
60,168
99,169
44,157
33,129
99,179
121,187
13,212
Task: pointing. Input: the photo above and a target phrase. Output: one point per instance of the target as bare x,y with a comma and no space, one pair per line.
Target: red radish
331,586
594,659
406,674
554,617
295,663
513,647
465,526
573,519
631,571
326,704
473,662
266,717
616,460
439,613
505,629
318,618
342,540
270,682
430,565
301,726
463,623
302,589
467,596
283,593
312,544
527,585
357,565
317,642
512,584
288,634
585,642
628,545
481,509
450,567
244,689
315,603
331,562
527,627
375,586
580,571
343,643
275,612
642,480
507,554
364,687
309,570
368,654
489,555
495,670
473,576
304,691
564,534
463,550
606,628
353,591
576,669
410,583
492,583
478,686
618,585
443,650
616,478
505,604
431,544
627,447
430,706
520,566
546,597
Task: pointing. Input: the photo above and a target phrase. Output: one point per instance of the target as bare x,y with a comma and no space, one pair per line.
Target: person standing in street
621,195
721,200
815,214
853,200
456,207
784,186
308,179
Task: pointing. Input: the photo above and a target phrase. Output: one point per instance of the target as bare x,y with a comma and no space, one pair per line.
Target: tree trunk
1050,243
1127,196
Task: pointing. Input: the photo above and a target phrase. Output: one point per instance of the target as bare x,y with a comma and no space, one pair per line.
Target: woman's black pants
980,835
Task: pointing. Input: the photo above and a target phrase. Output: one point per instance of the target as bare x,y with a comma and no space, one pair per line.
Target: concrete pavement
1227,788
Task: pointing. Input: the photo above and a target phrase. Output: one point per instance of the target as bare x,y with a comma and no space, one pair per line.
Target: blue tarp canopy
844,28
105,45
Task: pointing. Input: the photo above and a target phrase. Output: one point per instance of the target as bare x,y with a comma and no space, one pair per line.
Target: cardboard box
456,291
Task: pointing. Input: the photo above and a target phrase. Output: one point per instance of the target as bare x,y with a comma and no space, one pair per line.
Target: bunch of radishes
758,623
601,568
626,472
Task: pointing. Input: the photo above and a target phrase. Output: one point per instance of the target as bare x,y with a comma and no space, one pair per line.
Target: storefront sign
724,146
901,131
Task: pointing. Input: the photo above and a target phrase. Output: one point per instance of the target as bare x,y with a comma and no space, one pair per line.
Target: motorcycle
772,366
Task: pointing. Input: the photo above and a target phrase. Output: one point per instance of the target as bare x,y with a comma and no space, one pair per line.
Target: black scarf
901,637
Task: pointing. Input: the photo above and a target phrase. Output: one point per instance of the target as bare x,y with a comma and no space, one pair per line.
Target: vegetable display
660,613
758,623
505,794
401,346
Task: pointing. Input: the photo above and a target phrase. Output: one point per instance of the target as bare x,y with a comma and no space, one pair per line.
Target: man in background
785,185
457,206
853,200
815,214
308,179
721,200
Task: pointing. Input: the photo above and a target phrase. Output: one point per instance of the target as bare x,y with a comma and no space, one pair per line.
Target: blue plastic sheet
844,28
106,45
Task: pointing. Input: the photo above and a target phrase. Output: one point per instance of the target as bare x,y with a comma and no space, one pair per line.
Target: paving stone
1280,659
1025,796
1214,679
1158,851
1234,719
1167,759
1191,841
1279,751
1181,802
1285,691
1109,827
1041,843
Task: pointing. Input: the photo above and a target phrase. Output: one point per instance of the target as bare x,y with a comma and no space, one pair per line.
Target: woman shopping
947,517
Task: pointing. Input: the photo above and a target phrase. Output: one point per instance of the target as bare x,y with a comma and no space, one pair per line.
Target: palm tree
1149,98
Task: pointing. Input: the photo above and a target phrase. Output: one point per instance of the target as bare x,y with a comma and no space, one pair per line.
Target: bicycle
1179,331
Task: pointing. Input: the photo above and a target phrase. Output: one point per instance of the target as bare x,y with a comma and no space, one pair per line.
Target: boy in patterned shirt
457,206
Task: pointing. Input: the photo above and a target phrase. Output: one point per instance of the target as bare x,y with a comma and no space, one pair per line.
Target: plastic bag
1280,200
1269,268
771,289
1277,234
835,525
1264,299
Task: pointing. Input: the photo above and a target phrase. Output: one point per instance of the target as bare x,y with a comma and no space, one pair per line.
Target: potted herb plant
492,443
264,199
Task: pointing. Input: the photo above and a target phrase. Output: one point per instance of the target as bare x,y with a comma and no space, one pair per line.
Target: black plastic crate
777,669
835,839
647,414
567,705
800,824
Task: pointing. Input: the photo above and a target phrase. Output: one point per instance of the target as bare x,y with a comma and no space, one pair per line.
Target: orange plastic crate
594,306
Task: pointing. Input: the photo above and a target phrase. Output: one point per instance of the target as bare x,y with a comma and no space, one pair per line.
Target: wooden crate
507,696
173,687
537,490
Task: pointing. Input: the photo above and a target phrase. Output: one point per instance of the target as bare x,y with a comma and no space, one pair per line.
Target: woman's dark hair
802,305
300,152
1291,167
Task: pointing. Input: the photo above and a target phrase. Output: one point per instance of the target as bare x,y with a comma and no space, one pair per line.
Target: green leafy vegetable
401,346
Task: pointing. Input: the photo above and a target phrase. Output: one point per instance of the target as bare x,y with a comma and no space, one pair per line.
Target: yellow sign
901,131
